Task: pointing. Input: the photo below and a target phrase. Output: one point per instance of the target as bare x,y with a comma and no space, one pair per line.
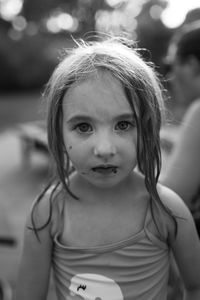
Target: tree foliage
26,62
152,33
37,10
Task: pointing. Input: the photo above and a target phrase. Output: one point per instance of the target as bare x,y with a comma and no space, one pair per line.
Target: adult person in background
182,171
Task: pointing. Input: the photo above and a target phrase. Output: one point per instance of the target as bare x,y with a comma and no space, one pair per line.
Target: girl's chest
94,226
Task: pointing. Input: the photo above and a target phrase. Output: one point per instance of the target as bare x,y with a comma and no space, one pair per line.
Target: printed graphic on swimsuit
94,287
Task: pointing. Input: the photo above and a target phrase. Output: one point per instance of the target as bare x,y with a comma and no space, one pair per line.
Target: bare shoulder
177,207
192,114
173,202
195,106
44,209
179,218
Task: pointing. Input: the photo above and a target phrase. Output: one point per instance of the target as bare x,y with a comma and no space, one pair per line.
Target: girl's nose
104,147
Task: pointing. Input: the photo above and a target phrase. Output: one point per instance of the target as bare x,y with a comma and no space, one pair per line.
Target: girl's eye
83,127
123,125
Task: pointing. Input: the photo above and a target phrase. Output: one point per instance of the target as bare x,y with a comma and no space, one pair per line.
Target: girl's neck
84,190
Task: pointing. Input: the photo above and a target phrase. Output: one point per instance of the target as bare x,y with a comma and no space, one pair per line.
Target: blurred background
33,36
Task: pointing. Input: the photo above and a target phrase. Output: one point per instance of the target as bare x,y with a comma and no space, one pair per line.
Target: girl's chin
105,181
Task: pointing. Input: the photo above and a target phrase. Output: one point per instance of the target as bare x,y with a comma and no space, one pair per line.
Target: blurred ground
19,184
18,188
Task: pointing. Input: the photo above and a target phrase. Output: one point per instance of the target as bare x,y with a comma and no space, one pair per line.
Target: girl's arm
182,172
185,245
34,271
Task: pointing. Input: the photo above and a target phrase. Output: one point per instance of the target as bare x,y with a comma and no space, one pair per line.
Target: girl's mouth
107,169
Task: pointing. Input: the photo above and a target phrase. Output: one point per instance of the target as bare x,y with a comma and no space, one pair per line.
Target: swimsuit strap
58,214
151,227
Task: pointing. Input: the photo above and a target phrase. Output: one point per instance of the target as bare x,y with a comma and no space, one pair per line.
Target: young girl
107,228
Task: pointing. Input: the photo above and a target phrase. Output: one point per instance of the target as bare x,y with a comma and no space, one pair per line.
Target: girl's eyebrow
78,118
125,116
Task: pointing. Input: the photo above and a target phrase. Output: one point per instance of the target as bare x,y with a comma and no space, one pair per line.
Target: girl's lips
105,169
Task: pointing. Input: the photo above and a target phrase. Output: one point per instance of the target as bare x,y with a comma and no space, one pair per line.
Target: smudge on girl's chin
70,147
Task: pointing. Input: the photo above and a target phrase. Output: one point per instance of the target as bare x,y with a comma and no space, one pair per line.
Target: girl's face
99,130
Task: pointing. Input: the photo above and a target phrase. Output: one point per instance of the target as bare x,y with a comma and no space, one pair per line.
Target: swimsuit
132,269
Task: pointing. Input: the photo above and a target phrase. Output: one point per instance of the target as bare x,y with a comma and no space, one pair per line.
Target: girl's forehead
101,92
97,78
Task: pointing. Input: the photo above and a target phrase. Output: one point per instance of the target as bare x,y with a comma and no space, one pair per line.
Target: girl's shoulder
191,118
175,205
195,107
47,208
172,200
